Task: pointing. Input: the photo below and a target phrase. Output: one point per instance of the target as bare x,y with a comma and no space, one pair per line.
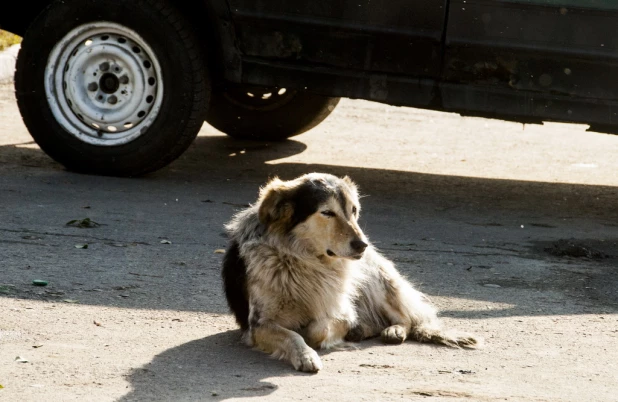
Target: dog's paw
454,339
468,341
307,361
459,339
395,334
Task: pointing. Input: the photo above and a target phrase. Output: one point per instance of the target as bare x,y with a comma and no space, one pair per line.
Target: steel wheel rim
104,84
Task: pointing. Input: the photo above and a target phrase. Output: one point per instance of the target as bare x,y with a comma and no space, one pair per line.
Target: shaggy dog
300,274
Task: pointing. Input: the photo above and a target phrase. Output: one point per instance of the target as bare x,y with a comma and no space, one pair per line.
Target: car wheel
251,112
114,88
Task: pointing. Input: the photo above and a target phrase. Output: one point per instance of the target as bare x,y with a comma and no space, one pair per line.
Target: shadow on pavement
453,235
476,239
217,366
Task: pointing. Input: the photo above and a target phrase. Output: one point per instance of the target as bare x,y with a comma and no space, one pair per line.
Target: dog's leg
415,317
456,339
327,333
285,344
403,307
411,315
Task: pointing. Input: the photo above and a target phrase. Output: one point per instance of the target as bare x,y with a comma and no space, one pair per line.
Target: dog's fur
299,274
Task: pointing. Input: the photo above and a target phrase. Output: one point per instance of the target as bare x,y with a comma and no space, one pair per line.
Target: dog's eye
354,210
328,213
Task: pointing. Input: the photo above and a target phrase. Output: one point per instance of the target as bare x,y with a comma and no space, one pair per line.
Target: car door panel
560,47
396,36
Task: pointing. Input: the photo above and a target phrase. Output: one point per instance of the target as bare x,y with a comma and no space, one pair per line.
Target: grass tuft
8,39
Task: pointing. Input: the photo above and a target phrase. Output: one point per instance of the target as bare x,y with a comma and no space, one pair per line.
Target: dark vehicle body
521,60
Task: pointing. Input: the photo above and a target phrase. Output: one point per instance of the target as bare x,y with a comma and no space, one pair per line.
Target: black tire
183,103
283,114
603,128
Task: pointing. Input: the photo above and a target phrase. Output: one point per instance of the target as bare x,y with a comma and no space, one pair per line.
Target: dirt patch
440,393
579,249
379,366
584,269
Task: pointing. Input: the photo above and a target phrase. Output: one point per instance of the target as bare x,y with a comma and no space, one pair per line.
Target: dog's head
319,212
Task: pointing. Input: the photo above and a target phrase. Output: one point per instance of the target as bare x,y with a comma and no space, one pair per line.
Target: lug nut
124,79
104,66
93,86
112,100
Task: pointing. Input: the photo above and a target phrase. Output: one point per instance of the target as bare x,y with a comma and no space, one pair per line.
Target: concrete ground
7,64
512,230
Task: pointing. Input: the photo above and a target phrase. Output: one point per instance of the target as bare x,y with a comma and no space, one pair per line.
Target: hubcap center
109,83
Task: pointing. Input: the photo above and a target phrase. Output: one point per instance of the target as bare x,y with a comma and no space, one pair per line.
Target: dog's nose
358,245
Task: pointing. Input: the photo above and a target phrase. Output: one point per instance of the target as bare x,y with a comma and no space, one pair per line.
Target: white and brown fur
300,274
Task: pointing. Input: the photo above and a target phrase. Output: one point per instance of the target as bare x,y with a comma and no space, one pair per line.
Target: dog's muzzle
358,245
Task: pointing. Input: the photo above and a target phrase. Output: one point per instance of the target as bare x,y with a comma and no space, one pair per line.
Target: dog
299,275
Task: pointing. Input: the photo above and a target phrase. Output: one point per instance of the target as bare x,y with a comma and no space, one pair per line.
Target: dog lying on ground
300,274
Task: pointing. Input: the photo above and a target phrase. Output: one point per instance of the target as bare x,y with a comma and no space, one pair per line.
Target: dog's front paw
307,361
395,334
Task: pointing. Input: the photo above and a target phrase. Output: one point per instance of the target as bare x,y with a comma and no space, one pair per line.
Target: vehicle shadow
452,235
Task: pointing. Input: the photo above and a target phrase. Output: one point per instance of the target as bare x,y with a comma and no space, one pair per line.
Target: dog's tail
455,339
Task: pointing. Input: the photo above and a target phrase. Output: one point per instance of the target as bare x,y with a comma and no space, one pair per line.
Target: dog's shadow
219,366
215,366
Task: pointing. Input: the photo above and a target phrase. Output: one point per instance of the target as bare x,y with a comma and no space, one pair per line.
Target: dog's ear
353,187
275,203
349,182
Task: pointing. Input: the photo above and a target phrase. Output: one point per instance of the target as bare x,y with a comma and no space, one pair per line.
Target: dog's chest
298,292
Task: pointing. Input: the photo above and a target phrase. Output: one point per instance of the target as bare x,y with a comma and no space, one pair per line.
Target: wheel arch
213,22
17,19
211,19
